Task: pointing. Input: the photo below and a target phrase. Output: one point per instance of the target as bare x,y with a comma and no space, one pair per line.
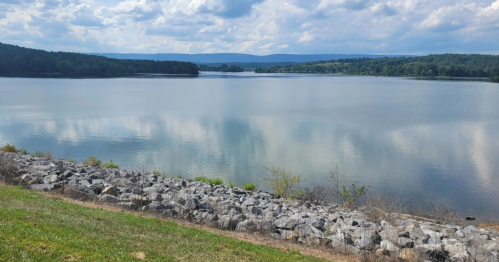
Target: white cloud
200,26
448,18
267,46
306,37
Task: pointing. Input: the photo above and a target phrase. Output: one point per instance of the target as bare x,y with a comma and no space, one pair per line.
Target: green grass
47,154
110,164
36,228
92,161
250,186
213,181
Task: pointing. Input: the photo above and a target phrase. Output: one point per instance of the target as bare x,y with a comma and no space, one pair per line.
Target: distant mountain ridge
239,58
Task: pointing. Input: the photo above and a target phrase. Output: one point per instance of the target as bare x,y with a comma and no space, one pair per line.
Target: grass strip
36,228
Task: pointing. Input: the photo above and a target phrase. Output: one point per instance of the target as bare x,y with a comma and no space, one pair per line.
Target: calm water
423,141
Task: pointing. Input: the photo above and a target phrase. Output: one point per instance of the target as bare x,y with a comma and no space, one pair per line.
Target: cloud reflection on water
419,149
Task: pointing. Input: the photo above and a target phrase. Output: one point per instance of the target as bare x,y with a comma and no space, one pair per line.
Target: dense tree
448,65
25,62
222,68
494,75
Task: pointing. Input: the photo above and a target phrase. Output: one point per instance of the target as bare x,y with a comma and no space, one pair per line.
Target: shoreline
234,209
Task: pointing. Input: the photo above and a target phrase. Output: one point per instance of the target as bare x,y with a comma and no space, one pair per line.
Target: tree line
18,61
445,65
221,68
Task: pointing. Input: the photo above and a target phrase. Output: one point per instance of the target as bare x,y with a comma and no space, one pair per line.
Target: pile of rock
246,211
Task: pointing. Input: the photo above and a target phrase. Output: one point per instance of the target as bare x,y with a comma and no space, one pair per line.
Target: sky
258,27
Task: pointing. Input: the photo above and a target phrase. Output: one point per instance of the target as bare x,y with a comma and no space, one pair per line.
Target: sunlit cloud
253,26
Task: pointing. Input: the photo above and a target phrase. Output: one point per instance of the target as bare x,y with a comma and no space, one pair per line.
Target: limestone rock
458,250
108,198
285,223
110,190
388,245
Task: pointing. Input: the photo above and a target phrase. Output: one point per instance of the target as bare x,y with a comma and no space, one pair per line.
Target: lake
425,142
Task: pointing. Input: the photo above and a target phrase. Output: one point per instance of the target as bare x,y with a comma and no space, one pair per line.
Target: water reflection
421,141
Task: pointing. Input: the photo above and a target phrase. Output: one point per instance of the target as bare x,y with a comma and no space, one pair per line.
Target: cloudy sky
253,26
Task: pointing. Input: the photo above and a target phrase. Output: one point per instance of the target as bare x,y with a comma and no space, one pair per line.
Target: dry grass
9,170
489,226
380,207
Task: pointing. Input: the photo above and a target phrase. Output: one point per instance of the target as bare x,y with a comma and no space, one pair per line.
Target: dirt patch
139,255
70,258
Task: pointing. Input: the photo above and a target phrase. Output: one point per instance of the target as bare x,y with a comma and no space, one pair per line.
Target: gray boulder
286,223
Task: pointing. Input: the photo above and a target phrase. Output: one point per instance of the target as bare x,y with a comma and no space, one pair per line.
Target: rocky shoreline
246,211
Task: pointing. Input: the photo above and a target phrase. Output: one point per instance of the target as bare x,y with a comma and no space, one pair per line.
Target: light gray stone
110,190
308,231
388,245
458,251
108,198
390,233
285,223
42,187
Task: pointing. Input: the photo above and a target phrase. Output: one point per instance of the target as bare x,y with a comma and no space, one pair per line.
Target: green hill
18,61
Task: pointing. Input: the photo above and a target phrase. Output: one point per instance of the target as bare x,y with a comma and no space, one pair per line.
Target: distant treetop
222,68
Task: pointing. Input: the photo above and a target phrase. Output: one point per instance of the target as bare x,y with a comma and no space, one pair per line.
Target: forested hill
25,62
451,65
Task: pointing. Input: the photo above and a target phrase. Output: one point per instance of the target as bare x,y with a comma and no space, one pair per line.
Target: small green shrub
110,164
216,181
352,195
23,151
48,155
9,148
201,179
282,182
156,172
231,184
71,160
92,161
250,186
39,154
212,181
177,176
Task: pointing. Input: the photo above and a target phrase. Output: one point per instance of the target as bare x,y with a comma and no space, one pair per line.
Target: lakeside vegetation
377,209
446,65
221,68
18,61
37,228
